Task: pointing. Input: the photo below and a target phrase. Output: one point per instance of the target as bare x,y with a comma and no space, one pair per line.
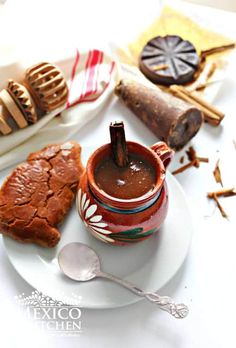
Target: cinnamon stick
160,67
224,192
118,144
203,159
194,161
217,173
203,102
202,86
183,168
211,114
217,49
221,193
202,80
223,213
192,156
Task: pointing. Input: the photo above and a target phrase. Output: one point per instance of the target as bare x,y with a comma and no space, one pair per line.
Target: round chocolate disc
169,60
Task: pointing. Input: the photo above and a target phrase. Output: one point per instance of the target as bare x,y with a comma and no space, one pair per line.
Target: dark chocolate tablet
178,58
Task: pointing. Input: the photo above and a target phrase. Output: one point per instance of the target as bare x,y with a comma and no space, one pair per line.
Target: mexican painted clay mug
120,221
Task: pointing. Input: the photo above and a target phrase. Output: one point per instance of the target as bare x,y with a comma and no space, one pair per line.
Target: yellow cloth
173,22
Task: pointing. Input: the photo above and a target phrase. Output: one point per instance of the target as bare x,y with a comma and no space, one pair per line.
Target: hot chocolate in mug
125,205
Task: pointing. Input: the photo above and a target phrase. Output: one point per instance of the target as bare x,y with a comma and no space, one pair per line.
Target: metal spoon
79,262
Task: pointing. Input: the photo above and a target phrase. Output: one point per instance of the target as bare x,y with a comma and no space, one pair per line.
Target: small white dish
149,264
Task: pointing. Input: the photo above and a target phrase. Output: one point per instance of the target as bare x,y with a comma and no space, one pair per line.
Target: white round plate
149,264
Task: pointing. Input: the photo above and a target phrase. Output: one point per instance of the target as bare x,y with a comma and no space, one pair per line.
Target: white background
206,282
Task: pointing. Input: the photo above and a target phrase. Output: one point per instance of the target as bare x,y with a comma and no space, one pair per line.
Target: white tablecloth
207,281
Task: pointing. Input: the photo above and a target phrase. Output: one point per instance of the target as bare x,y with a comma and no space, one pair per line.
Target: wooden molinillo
44,90
171,119
23,100
4,115
8,102
47,85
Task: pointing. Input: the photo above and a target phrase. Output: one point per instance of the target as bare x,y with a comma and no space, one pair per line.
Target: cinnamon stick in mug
170,118
118,144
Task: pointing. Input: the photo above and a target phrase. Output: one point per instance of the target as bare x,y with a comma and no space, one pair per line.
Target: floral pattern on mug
92,220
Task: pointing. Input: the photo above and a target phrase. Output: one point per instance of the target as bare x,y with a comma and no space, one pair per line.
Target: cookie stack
43,90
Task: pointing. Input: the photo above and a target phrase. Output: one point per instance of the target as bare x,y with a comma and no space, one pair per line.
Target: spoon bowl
79,262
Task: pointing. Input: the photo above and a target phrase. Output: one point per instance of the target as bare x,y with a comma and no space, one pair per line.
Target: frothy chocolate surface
132,181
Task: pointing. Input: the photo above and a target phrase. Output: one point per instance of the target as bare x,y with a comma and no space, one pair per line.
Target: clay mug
124,221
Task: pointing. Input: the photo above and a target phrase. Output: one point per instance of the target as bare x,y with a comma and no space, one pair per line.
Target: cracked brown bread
38,194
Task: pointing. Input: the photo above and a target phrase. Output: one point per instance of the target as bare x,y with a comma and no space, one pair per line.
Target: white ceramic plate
149,264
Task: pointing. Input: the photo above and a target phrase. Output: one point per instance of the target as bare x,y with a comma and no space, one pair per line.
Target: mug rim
131,202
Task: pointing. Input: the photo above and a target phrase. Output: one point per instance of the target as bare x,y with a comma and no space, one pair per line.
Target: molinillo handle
166,303
164,152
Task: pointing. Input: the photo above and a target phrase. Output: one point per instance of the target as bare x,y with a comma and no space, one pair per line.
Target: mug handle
164,152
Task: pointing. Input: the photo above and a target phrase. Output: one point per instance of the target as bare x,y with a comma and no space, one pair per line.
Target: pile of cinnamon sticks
221,193
224,192
211,114
194,161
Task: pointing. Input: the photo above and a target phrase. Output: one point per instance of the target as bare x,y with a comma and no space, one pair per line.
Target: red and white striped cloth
91,77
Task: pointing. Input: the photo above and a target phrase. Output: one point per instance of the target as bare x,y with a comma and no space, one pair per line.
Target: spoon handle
166,303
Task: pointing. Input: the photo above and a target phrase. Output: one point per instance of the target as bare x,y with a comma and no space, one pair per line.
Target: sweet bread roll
38,194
